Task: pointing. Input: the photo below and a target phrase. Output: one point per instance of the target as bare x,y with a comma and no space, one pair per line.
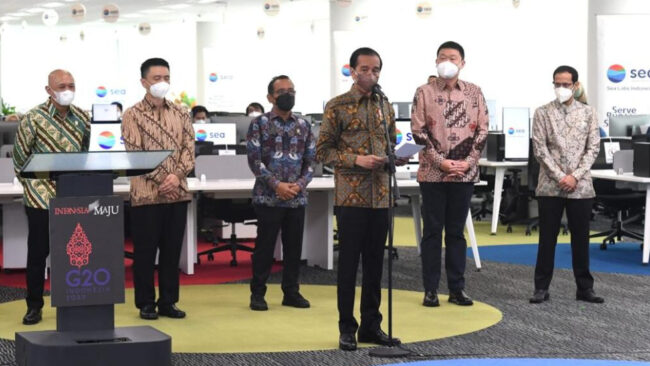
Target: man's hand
370,162
173,195
170,184
286,191
401,161
455,168
568,183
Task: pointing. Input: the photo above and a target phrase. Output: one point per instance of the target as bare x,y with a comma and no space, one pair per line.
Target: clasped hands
568,183
454,168
169,187
287,191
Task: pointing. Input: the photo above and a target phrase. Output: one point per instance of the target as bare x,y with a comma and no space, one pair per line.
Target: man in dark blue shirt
281,151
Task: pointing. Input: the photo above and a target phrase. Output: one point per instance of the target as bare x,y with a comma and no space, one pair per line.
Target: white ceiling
148,10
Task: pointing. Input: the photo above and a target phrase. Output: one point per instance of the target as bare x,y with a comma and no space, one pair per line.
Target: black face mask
285,102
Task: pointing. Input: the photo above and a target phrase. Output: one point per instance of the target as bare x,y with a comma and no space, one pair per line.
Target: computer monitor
105,113
217,133
628,125
624,143
106,137
516,125
242,123
402,110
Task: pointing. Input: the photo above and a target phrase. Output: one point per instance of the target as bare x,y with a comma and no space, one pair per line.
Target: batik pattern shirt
566,140
280,151
352,126
43,130
451,124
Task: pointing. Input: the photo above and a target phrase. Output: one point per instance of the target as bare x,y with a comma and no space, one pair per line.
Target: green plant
7,109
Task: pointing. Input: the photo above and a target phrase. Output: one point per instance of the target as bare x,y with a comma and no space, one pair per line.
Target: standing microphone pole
392,350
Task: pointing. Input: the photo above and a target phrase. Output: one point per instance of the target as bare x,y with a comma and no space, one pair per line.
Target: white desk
610,174
500,168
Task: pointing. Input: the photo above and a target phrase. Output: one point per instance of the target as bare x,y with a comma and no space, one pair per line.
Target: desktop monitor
106,137
242,123
105,113
217,133
402,110
516,125
602,162
628,125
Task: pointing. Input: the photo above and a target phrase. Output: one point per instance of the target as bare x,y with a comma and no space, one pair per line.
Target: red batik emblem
79,247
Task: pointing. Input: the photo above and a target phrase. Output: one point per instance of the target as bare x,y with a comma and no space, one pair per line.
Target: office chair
230,211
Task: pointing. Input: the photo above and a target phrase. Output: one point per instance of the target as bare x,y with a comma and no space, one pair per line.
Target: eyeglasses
285,91
563,85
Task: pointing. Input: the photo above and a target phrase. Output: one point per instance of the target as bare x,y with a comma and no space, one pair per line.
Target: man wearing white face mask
54,126
158,199
566,141
450,118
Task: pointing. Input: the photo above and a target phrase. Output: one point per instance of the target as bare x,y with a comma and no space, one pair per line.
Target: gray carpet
561,328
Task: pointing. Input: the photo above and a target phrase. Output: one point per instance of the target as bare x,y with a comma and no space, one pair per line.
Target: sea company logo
106,140
201,135
423,10
213,77
79,248
399,136
272,7
616,73
345,70
101,91
511,131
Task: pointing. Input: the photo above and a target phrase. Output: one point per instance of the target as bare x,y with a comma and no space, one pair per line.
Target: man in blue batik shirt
281,151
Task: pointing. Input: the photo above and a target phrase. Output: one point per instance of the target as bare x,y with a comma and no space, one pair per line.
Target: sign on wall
623,67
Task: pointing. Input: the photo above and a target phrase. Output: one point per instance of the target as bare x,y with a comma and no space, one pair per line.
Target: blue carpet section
618,258
522,362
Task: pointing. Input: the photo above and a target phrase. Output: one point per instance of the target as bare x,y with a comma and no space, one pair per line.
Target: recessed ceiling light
35,10
53,5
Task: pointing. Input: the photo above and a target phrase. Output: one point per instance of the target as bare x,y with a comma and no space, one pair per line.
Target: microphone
377,90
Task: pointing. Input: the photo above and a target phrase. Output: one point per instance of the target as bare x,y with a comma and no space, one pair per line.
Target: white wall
108,56
510,53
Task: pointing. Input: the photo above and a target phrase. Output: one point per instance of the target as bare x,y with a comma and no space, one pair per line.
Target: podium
87,265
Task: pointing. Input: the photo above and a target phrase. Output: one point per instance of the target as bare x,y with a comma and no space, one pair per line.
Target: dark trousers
271,220
578,212
444,206
38,248
362,232
157,227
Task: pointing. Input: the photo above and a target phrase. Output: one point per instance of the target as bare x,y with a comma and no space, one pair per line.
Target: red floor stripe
208,272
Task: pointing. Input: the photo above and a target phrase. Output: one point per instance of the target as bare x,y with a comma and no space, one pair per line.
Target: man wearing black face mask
281,151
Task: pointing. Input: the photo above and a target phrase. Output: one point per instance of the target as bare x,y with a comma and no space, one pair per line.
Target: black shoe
539,296
377,337
431,299
32,316
258,303
296,300
347,342
460,298
589,296
171,311
148,312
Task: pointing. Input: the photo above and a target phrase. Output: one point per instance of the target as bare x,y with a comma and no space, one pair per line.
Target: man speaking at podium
158,199
54,126
353,140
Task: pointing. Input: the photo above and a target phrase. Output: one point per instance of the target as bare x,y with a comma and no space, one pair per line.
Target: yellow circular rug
219,320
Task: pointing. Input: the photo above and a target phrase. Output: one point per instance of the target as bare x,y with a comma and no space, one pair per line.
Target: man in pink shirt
450,118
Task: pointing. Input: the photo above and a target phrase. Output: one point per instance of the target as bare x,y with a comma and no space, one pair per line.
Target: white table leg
498,188
188,252
416,207
14,235
472,239
646,227
318,240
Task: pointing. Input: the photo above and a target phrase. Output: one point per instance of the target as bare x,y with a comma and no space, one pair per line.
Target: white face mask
254,114
159,90
447,70
200,121
563,94
64,98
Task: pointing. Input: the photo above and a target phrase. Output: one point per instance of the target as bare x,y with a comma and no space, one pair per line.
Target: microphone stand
393,350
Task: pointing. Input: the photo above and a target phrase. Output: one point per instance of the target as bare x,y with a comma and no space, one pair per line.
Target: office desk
500,168
610,174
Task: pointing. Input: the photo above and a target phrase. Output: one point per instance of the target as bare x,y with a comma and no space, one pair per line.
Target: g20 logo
87,278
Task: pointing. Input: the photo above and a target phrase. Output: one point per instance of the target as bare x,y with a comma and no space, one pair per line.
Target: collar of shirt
149,102
51,109
358,95
441,85
566,108
273,116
